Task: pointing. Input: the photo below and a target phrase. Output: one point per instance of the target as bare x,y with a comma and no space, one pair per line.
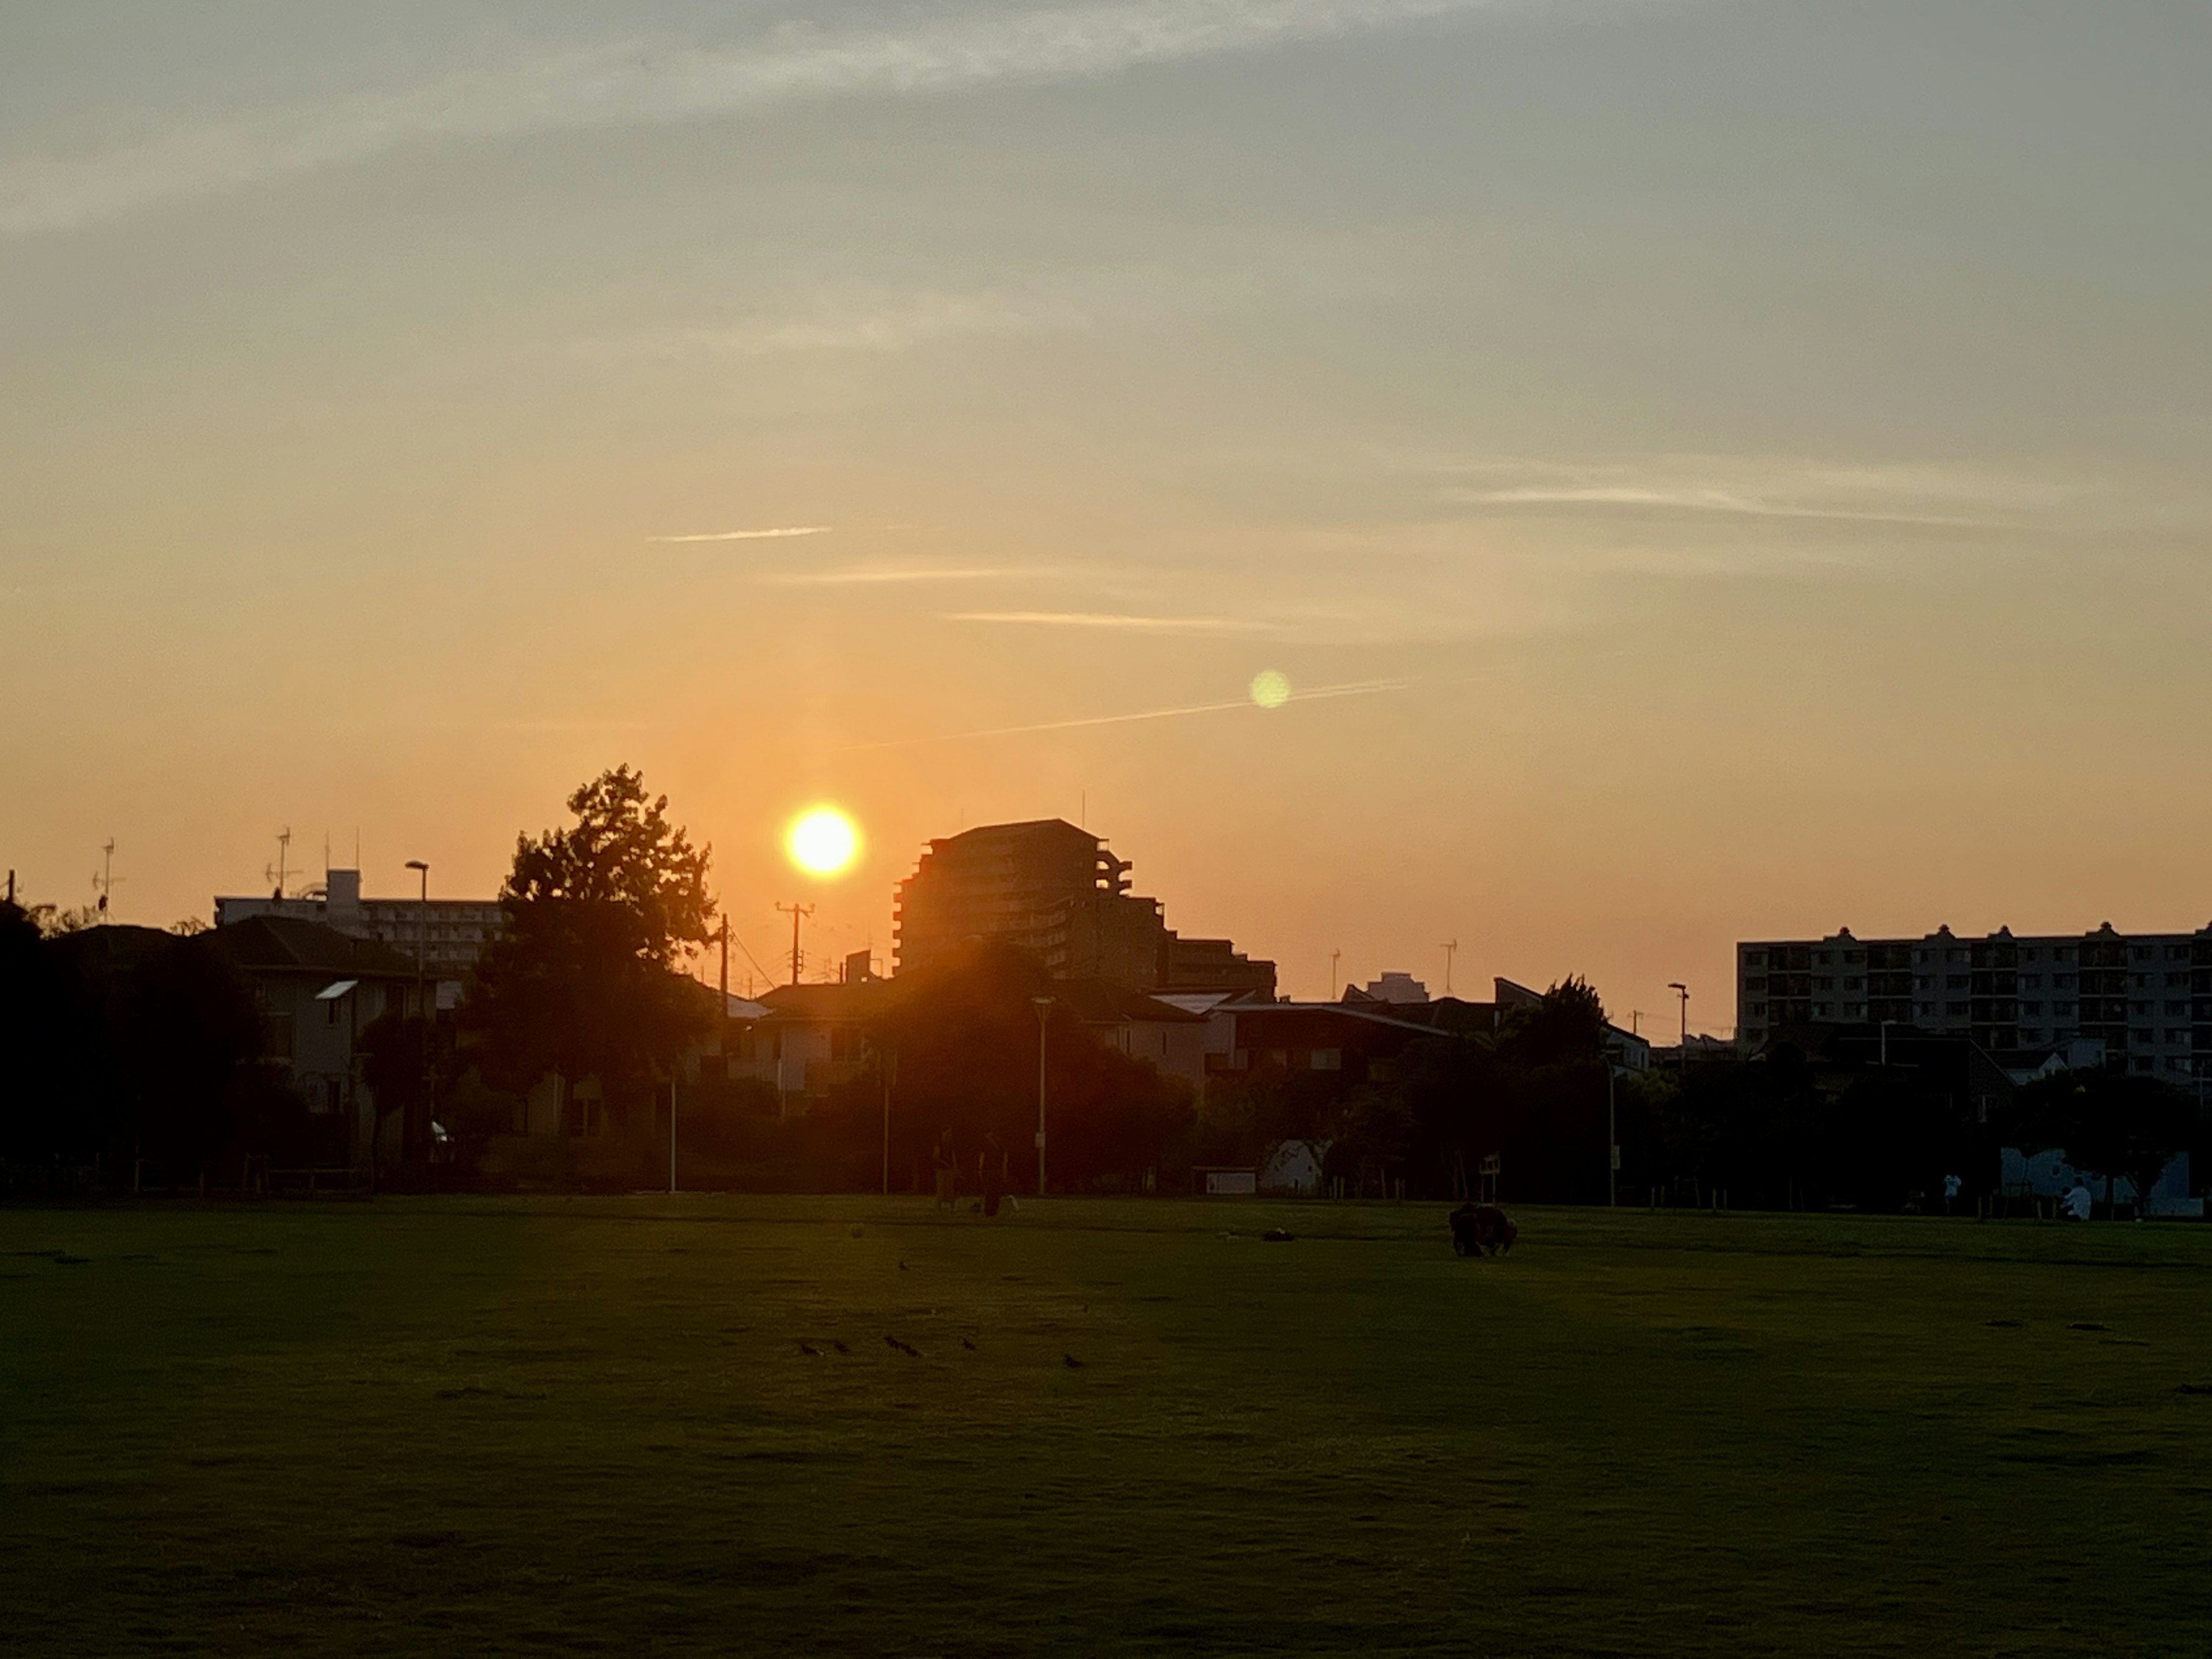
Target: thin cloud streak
1318,694
1113,620
747,535
1698,501
632,83
866,576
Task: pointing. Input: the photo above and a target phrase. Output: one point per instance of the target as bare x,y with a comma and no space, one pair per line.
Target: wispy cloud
1114,620
1758,487
775,534
868,575
627,83
1691,501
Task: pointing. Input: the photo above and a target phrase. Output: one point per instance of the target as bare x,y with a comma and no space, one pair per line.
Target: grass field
536,1425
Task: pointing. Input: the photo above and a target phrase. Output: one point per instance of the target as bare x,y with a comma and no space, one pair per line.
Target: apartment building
2146,997
1059,893
447,934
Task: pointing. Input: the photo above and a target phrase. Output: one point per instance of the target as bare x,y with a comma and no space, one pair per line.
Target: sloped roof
1097,1001
292,944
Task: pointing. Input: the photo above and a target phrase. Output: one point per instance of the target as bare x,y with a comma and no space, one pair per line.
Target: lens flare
1270,689
822,841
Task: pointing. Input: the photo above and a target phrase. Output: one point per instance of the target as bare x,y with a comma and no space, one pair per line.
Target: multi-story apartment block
2146,998
447,935
1055,891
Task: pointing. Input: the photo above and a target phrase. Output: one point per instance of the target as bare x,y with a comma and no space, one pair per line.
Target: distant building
1393,986
318,990
1056,891
450,933
2146,997
805,1040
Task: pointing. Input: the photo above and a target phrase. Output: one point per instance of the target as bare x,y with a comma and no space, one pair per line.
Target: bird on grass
966,1344
1070,1362
839,1346
810,1350
903,1348
903,1266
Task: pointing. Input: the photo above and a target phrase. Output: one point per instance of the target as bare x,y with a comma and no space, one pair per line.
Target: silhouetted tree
583,979
965,1033
2106,1122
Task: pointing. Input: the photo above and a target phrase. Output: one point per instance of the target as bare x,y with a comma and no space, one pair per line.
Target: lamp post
1683,991
422,1007
1044,1014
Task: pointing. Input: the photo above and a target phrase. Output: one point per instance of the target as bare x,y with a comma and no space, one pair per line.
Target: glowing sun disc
1270,688
822,841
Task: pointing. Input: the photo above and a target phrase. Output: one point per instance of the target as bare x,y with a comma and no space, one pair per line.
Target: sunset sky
1735,469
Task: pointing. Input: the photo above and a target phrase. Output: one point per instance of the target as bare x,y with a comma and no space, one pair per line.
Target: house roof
292,944
1097,1002
1367,1014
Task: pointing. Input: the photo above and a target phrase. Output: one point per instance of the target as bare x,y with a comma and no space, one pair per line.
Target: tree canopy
583,978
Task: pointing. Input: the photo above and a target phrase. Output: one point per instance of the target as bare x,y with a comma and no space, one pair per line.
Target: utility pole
421,1007
1450,950
1682,991
1332,956
1044,1014
795,911
891,1076
722,1012
1612,1137
284,856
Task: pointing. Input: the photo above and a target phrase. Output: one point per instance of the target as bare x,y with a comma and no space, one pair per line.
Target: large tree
584,978
2106,1123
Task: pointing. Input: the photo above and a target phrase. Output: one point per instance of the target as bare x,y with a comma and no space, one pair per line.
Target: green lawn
470,1425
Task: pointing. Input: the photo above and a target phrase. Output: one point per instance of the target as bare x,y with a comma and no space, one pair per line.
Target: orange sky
1751,458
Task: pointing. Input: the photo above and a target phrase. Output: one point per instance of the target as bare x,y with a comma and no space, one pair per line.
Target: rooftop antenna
356,846
1450,950
1332,956
283,853
104,882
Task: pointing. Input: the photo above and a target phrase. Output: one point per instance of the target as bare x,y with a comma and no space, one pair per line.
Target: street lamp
1683,991
1044,1014
422,1007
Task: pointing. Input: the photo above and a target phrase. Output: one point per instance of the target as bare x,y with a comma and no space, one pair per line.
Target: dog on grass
1481,1230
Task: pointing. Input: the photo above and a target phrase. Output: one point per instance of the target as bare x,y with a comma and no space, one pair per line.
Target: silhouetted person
948,1172
991,1165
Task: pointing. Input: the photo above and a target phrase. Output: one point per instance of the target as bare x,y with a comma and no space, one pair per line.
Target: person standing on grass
1951,1185
2076,1207
948,1172
991,1166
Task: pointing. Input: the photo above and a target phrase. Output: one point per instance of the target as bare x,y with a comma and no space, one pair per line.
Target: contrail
748,535
1356,689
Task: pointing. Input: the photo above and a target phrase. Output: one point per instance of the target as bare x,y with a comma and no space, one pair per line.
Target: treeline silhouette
125,1050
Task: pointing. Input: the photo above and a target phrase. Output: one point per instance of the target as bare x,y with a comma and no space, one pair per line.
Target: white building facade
2146,998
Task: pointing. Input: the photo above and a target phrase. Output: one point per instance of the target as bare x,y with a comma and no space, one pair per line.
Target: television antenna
1450,948
104,878
275,872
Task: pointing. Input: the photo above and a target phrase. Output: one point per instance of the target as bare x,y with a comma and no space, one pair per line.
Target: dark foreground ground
479,1426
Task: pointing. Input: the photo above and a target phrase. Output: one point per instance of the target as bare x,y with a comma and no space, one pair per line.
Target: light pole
422,1007
1683,991
1885,1024
891,1076
1612,1137
1044,1014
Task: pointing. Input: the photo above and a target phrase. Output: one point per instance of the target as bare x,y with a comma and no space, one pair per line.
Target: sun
822,841
1270,688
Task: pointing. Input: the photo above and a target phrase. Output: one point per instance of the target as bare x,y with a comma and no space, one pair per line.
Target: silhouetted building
451,933
2146,998
318,990
1058,893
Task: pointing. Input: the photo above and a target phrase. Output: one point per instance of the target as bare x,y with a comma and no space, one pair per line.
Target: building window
1824,983
1824,959
1758,1010
2031,981
2064,1009
1958,981
2033,1008
2177,1039
2177,1008
2062,981
1855,985
2144,953
1925,1008
2138,1007
2177,981
1328,1060
1855,1010
1955,1008
1824,1011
